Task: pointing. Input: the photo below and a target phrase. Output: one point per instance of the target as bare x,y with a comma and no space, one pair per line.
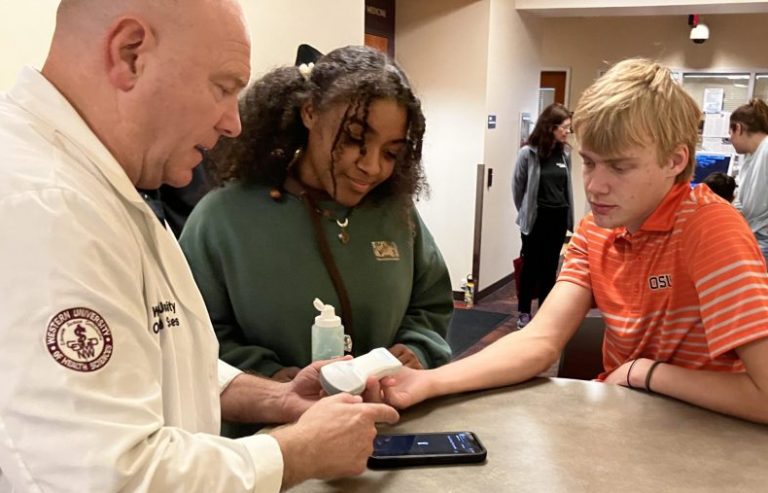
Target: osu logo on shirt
662,281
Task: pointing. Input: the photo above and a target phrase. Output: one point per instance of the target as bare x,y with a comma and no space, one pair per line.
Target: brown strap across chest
295,188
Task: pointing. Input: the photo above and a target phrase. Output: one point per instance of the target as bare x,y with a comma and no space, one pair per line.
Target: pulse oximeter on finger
350,375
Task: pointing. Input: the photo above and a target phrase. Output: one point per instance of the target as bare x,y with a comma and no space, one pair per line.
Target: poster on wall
713,99
717,124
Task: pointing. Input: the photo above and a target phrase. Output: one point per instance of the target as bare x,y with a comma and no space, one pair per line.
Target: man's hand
332,439
304,390
286,374
406,388
406,356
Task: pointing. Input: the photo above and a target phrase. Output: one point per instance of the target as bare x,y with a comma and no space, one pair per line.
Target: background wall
641,7
588,45
279,27
277,30
443,47
468,59
26,28
513,80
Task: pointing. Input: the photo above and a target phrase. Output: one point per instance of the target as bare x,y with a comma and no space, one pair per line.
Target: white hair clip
305,69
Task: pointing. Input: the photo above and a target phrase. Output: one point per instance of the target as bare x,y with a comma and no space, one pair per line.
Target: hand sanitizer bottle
327,333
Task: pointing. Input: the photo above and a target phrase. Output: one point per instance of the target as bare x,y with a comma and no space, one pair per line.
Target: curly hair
273,131
543,137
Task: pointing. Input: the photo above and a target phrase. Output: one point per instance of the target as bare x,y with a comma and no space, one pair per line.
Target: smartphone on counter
423,449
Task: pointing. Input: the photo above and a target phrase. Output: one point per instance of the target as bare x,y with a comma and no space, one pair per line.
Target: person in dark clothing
177,203
544,200
722,184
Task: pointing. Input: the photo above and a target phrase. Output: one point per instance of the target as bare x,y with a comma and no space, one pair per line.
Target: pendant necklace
344,234
293,186
341,222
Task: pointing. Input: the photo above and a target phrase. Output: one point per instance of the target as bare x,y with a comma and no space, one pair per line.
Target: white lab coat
77,234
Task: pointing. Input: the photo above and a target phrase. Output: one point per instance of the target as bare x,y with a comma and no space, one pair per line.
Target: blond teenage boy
675,272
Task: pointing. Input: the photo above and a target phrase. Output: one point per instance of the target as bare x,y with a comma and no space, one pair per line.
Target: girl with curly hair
318,201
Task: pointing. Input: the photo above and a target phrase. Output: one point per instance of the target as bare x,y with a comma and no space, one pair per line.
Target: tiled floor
503,300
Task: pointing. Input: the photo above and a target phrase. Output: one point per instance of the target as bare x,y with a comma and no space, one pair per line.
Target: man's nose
230,125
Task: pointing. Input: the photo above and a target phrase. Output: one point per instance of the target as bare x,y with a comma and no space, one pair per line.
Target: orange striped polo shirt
687,288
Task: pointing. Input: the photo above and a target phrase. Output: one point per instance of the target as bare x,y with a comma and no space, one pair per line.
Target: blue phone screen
425,444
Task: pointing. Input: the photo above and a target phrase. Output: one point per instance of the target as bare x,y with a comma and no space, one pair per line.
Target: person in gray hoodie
544,199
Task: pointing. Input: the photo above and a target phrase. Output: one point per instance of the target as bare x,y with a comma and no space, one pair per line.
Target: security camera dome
700,33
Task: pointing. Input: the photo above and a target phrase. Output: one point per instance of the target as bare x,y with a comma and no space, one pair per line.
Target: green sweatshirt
257,264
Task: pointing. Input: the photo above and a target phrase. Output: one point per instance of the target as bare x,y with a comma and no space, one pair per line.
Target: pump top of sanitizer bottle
327,317
328,339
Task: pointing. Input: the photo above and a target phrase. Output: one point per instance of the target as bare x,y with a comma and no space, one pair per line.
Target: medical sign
79,339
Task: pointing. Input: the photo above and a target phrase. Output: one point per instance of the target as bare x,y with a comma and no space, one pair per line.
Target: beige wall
25,33
468,59
641,7
588,45
277,27
443,47
513,81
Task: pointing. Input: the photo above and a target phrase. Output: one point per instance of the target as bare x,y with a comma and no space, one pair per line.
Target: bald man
110,377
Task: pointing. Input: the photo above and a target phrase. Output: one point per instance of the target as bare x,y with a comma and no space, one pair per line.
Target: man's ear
678,160
128,41
308,115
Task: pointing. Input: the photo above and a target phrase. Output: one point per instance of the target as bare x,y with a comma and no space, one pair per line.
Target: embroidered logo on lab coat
164,316
79,339
385,250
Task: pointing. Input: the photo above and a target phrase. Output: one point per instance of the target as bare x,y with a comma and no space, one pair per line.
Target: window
761,86
732,90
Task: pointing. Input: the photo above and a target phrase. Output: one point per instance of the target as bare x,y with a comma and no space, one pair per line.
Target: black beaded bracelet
648,375
629,372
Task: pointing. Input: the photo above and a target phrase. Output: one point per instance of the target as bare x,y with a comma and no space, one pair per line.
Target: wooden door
555,79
